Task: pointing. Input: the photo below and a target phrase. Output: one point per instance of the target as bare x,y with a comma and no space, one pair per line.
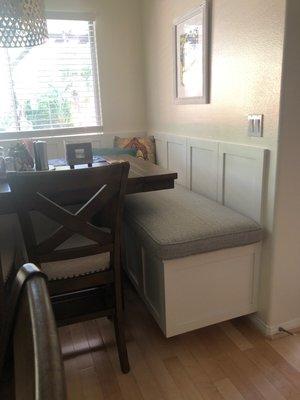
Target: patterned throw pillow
144,146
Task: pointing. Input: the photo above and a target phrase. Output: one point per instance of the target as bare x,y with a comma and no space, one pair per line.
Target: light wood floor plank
104,369
183,382
228,391
288,348
249,369
236,336
240,359
150,350
229,361
239,380
204,358
91,384
263,346
145,379
196,372
81,347
127,383
153,342
278,380
72,372
230,370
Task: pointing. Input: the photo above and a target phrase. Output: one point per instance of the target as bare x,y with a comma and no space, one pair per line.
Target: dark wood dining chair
81,257
34,367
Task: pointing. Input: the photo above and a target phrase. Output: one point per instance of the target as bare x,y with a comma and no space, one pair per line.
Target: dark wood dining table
144,176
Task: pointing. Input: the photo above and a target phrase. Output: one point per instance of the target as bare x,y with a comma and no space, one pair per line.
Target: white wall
246,61
119,49
285,299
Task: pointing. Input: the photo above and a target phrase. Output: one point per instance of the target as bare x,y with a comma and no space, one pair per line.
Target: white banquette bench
194,261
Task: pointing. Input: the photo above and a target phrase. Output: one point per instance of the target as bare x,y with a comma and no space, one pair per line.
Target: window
51,89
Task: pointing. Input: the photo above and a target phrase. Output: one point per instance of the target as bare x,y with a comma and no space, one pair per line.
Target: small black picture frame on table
79,154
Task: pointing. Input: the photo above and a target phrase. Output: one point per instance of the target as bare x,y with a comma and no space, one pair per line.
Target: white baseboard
272,330
265,329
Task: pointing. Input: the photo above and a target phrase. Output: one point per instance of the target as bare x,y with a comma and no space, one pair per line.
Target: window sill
51,133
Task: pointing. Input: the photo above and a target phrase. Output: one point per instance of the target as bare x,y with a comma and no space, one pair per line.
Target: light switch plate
255,125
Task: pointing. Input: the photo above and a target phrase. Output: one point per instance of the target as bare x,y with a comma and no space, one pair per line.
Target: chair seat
67,269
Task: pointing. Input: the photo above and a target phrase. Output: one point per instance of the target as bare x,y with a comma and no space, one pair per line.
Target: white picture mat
191,56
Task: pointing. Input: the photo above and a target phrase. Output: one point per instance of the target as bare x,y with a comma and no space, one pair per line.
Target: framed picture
191,48
79,153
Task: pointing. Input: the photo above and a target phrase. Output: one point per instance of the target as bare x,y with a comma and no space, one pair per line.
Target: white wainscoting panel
177,161
232,174
241,178
173,148
202,167
213,287
161,153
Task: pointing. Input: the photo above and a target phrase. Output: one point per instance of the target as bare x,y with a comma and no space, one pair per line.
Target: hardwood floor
228,361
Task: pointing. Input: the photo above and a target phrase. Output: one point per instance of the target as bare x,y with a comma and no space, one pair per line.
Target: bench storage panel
205,289
200,290
197,268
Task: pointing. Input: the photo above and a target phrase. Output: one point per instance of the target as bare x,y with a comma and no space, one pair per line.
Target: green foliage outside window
52,110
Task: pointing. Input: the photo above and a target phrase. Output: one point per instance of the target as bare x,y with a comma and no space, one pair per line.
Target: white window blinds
53,88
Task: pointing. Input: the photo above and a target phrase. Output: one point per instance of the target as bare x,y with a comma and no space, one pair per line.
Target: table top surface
143,176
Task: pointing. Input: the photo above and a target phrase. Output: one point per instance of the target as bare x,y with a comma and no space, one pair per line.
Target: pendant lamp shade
22,23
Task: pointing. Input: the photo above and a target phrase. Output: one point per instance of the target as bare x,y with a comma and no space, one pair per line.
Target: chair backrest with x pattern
48,192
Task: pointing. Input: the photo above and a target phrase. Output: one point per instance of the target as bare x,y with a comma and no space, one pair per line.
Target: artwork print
191,57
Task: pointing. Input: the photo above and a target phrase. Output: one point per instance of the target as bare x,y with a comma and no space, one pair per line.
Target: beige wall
247,46
285,299
246,66
119,55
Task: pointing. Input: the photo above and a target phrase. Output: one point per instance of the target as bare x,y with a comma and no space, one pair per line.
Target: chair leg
119,316
121,343
123,267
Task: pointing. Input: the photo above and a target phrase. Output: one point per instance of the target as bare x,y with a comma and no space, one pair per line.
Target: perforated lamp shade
22,23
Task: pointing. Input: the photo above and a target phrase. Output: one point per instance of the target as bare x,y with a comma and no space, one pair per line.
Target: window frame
74,131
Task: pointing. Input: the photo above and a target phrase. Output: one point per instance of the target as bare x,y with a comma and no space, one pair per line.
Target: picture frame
79,154
191,56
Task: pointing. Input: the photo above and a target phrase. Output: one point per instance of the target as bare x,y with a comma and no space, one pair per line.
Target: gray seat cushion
72,268
179,223
65,269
